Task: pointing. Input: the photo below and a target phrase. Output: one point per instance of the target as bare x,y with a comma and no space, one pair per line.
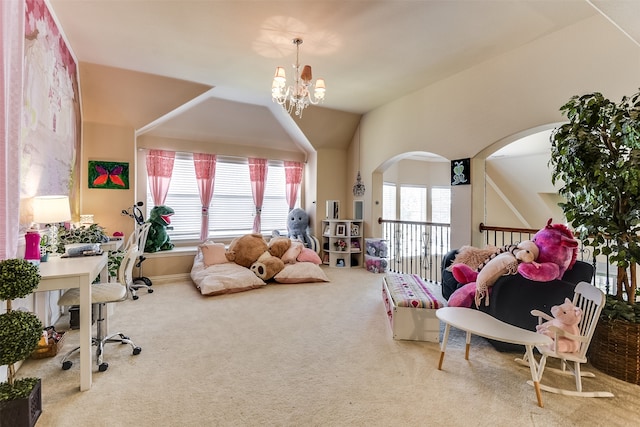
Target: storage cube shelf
342,243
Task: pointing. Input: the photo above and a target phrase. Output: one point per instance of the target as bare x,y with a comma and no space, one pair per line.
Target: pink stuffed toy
506,261
557,253
566,317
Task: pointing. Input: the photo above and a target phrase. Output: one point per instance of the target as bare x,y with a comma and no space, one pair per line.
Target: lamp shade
51,209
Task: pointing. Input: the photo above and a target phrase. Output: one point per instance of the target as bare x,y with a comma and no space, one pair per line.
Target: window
441,204
232,210
413,203
389,201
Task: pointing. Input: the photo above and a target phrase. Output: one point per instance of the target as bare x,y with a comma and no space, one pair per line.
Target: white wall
460,116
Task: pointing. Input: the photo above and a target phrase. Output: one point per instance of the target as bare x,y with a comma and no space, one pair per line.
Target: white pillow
301,272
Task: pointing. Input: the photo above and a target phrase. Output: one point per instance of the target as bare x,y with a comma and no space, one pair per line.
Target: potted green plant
20,331
596,159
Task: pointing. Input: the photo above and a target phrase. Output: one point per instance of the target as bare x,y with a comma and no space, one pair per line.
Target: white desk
79,272
479,323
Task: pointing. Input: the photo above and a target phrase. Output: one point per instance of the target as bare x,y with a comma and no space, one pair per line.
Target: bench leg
467,346
534,374
443,345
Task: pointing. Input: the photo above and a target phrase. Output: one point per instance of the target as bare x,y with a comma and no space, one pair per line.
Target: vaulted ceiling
369,53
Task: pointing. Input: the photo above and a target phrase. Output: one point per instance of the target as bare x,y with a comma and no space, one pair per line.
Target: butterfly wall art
111,175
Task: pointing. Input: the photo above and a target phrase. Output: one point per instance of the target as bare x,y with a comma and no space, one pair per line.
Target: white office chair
591,301
139,238
101,295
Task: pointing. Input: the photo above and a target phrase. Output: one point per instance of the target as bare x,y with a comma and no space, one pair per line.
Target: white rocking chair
590,300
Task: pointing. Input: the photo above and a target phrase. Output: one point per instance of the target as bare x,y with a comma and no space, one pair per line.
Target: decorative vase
615,349
22,412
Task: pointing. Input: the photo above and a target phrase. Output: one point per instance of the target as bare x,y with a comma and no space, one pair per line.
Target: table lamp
51,210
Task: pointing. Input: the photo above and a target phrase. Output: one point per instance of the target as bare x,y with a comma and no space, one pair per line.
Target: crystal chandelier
297,96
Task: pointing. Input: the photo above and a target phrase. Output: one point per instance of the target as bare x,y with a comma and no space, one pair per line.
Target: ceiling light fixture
358,187
296,96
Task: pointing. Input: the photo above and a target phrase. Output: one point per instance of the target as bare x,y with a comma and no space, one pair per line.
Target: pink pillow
213,253
292,253
309,255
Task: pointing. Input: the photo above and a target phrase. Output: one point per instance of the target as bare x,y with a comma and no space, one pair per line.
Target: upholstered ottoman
411,305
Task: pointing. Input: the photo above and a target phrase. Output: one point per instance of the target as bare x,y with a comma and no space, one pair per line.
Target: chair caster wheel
67,365
136,351
135,297
150,291
103,367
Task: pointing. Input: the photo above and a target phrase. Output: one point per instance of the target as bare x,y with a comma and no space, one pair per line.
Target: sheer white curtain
205,166
12,47
159,171
258,174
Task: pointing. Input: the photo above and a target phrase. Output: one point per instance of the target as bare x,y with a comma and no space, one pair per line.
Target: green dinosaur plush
158,239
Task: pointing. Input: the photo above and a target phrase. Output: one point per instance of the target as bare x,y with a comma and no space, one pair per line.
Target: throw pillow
213,253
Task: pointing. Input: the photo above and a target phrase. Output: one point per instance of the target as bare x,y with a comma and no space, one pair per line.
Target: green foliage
19,390
621,310
20,332
91,234
18,278
596,159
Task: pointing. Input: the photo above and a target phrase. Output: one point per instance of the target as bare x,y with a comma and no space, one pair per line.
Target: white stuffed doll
503,264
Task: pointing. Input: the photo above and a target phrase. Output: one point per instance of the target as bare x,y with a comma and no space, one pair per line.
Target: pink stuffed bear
566,316
557,253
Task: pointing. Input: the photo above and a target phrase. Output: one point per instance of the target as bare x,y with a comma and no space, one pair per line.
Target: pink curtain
293,176
159,170
205,165
258,175
11,73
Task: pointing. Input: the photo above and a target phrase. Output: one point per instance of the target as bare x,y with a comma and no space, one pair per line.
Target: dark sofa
513,297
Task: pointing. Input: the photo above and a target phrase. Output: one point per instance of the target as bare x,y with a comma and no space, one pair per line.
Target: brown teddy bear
279,245
245,250
267,266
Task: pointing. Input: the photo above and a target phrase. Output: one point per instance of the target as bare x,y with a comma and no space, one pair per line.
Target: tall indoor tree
596,160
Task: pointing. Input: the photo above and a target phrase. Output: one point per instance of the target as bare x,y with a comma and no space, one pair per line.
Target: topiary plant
20,331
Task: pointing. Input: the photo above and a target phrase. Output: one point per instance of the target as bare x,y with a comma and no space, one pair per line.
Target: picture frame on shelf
355,230
327,230
340,262
333,209
341,230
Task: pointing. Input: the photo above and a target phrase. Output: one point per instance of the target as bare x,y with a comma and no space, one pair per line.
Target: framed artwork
461,172
340,262
327,230
355,230
333,209
358,209
110,175
341,230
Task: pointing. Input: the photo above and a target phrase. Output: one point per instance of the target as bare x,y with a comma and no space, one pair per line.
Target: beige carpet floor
303,355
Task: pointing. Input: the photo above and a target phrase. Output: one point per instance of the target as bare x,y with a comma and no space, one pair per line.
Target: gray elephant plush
298,225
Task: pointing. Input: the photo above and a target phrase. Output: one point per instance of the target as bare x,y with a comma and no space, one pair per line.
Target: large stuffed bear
298,225
158,239
245,250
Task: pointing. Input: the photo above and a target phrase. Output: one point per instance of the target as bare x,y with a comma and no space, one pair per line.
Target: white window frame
231,212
